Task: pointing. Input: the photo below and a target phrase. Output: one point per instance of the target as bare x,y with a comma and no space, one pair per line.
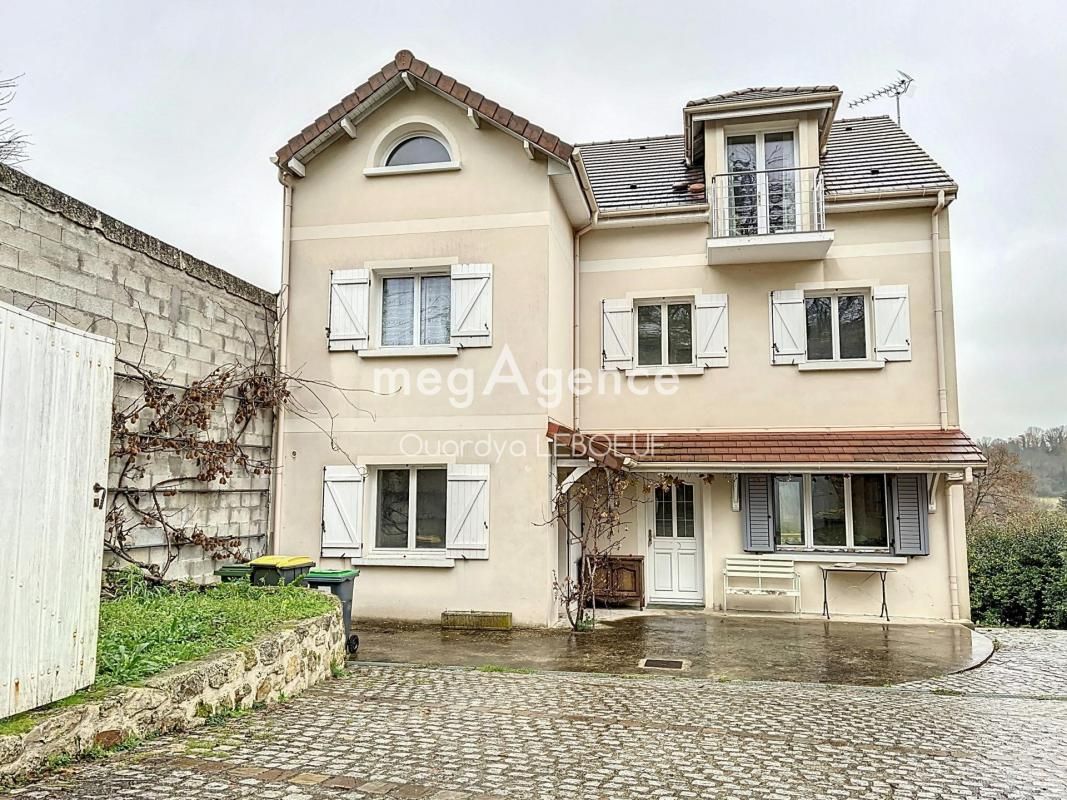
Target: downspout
939,315
576,355
942,404
280,360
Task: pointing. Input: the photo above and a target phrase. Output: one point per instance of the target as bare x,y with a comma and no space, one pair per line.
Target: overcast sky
164,115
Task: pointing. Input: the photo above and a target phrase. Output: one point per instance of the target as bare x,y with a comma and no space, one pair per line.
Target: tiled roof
761,93
923,447
642,173
873,154
404,61
869,154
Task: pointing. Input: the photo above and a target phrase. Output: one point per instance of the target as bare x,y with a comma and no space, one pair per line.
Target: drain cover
662,663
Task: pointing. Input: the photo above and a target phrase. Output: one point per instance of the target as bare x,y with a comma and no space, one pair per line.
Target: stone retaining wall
279,664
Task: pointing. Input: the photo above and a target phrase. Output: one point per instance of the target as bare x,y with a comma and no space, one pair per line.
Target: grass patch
149,629
27,720
947,692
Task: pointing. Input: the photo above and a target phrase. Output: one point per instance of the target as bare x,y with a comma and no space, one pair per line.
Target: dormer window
418,149
762,182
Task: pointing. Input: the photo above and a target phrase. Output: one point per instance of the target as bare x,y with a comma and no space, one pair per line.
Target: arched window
418,149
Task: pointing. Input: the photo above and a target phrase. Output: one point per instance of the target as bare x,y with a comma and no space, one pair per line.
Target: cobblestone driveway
447,734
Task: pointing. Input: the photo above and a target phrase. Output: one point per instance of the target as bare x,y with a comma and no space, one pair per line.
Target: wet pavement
714,646
439,733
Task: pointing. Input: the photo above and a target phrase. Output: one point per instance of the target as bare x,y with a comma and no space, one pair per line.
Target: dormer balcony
760,216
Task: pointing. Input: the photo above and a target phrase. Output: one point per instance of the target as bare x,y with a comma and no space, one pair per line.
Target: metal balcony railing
767,201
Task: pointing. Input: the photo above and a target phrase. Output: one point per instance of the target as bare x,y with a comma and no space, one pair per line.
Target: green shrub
1018,571
147,629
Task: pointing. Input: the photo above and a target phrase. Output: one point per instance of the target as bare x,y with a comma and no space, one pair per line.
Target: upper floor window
416,310
418,149
762,183
836,327
665,334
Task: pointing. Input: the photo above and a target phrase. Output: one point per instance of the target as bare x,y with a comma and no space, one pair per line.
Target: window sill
818,366
836,557
411,560
653,372
412,169
410,352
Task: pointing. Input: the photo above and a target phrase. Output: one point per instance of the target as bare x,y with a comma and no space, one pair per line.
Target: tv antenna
896,90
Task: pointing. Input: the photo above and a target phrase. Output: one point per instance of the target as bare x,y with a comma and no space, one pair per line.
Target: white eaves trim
411,169
763,111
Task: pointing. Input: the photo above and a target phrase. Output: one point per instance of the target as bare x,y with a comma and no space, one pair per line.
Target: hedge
1018,571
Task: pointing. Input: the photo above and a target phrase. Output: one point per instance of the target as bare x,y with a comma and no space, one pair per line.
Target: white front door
675,539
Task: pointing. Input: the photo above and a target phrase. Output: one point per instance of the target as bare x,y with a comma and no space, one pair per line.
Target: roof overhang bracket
933,481
408,81
473,117
348,127
296,167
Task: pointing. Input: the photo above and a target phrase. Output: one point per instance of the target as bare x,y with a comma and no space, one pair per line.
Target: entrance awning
918,450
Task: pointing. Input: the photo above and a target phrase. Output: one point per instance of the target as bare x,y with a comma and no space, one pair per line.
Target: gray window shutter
911,534
756,503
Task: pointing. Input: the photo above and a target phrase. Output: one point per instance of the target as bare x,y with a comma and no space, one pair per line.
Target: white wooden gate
56,386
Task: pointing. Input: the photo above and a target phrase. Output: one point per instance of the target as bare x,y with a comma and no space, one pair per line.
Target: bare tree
1004,489
13,142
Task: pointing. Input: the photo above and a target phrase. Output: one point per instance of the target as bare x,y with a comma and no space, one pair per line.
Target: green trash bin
273,570
340,582
228,573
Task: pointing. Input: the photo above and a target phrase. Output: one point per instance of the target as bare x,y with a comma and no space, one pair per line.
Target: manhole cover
662,663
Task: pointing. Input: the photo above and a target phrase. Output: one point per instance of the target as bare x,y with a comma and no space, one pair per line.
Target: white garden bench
756,572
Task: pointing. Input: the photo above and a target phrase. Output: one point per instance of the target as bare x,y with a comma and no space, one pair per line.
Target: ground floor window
831,512
410,508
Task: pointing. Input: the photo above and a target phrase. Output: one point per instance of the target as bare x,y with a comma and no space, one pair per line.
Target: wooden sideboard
621,580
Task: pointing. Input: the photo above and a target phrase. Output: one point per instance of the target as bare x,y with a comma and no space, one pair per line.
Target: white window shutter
892,323
342,512
472,305
712,330
789,330
349,309
617,345
467,514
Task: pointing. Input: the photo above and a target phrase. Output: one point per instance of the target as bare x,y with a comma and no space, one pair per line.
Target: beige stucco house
759,305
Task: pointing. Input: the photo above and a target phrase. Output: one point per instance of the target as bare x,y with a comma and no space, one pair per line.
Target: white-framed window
830,512
837,325
762,182
415,310
663,332
410,509
419,148
675,513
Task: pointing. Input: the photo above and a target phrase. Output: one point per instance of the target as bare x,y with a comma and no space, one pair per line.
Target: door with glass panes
675,544
762,183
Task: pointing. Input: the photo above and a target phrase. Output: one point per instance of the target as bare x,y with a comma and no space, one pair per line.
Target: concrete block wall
167,310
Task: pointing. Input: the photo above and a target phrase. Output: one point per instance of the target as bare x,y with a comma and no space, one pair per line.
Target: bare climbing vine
202,426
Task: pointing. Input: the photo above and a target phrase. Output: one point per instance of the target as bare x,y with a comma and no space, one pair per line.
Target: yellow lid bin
273,570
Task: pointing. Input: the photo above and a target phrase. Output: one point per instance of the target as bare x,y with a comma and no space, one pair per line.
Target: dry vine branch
592,514
205,425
